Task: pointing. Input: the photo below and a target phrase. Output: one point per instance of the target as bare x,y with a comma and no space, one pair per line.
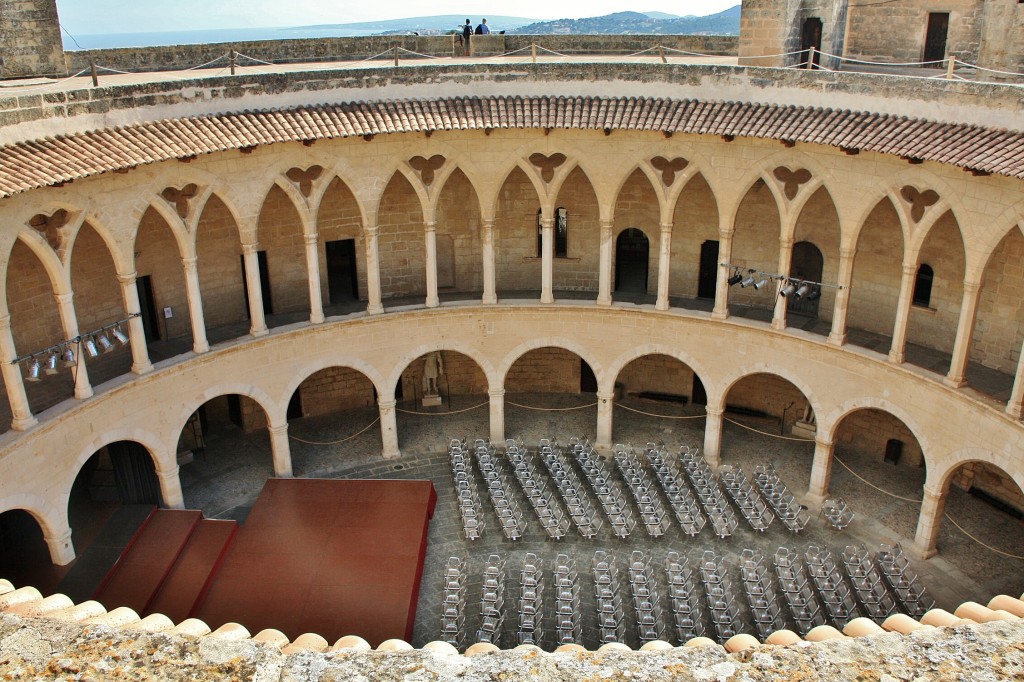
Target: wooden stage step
197,565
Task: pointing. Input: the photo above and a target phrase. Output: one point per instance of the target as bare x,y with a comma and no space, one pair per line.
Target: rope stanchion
17,89
765,433
886,492
441,414
550,409
662,416
334,442
988,547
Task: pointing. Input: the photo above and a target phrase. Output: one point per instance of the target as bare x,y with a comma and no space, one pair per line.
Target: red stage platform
325,556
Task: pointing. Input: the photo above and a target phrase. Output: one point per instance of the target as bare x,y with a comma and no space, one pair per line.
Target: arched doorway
808,264
24,556
632,253
435,383
658,385
550,389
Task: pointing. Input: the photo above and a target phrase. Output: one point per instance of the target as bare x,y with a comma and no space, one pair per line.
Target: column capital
64,298
786,243
250,248
311,237
714,411
606,395
909,269
128,278
189,261
547,223
5,321
971,287
278,429
387,404
487,222
847,253
824,444
371,231
666,227
726,235
496,392
430,225
168,472
931,493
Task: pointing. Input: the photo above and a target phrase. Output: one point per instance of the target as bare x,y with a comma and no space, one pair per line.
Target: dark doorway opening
342,279
261,260
810,36
632,251
699,396
807,264
147,306
24,556
588,381
122,472
295,406
707,280
935,38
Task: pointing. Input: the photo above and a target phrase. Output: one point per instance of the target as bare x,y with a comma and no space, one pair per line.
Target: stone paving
225,480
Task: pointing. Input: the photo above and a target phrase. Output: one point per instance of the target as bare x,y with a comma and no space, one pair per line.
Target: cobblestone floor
226,479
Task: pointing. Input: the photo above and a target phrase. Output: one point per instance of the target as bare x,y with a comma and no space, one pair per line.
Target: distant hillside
434,24
723,23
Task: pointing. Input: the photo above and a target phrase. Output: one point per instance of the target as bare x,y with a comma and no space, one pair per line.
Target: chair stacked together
606,598
568,628
902,579
777,495
652,512
581,511
453,608
803,603
608,491
552,519
684,505
837,513
761,595
718,511
683,599
531,600
754,509
510,517
867,583
833,590
470,509
492,600
720,599
649,623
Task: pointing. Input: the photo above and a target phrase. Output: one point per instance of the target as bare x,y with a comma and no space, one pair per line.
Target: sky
132,16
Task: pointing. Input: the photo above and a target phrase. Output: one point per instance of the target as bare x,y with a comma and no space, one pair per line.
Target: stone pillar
781,302
21,413
62,552
897,354
837,337
136,332
547,265
316,301
721,311
664,266
388,429
998,49
490,288
605,415
604,268
928,523
255,290
713,436
821,472
195,304
1015,406
170,487
957,376
280,450
30,39
497,415
83,389
373,306
430,236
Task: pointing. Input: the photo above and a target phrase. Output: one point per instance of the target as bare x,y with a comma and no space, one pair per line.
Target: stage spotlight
90,347
105,345
802,291
32,373
814,295
735,279
747,282
787,290
760,284
69,357
51,364
119,335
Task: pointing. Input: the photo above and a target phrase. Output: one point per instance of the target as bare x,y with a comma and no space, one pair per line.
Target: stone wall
460,376
153,243
545,370
658,374
335,389
867,433
770,394
895,32
30,42
991,480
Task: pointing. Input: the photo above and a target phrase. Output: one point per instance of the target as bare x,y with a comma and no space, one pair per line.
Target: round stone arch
616,366
522,349
829,422
162,455
413,354
318,364
275,415
729,381
52,522
940,475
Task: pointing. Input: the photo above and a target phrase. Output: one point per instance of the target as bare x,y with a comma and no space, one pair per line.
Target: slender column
430,233
170,487
721,311
821,472
781,302
62,552
957,376
1015,407
547,265
136,332
373,306
713,436
490,288
897,354
21,413
281,450
837,337
928,523
604,274
605,414
316,300
195,304
258,325
497,410
664,266
388,429
83,389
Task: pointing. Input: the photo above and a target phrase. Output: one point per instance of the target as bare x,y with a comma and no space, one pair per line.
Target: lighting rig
90,344
789,287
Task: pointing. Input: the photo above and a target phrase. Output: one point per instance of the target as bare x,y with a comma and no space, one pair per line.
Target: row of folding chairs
645,597
453,608
683,598
653,515
867,583
531,600
568,624
607,489
510,517
718,591
680,498
719,513
552,519
754,509
837,513
902,579
803,603
777,495
492,600
762,598
581,511
466,497
606,598
828,580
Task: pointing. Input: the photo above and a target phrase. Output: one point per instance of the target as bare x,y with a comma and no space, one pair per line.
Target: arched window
923,286
561,233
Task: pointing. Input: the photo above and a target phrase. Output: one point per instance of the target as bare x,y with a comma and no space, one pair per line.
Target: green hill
726,22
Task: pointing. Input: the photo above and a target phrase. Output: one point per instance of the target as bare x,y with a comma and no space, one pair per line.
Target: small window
561,234
923,286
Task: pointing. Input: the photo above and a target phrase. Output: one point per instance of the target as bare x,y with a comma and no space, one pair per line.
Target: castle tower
770,28
30,43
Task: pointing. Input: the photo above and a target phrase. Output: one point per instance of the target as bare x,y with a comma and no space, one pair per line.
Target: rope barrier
550,409
16,88
418,54
260,61
982,68
898,497
863,61
662,416
988,547
765,433
440,414
335,442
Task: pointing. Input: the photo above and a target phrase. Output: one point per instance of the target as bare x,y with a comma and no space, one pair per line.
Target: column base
26,423
489,299
954,382
603,449
316,318
374,309
391,454
897,358
287,473
836,340
661,305
142,369
719,314
433,302
923,553
778,325
200,348
1015,411
62,552
547,298
84,393
813,500
257,333
604,301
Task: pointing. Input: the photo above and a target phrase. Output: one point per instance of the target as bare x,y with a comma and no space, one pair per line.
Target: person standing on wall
482,29
467,33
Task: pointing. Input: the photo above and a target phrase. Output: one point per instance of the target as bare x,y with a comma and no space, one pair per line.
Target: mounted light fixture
802,292
788,289
736,278
104,343
68,356
119,335
32,371
749,281
814,295
51,364
761,284
89,344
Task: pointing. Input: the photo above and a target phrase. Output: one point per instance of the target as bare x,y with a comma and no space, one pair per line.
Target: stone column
604,268
547,265
928,523
821,472
281,450
837,337
190,265
21,413
83,389
721,311
664,266
430,235
62,552
605,415
1015,406
897,354
497,415
258,322
713,436
490,288
388,429
316,300
781,302
170,487
957,376
373,306
136,332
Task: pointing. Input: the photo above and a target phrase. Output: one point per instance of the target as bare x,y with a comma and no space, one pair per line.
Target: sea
227,35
